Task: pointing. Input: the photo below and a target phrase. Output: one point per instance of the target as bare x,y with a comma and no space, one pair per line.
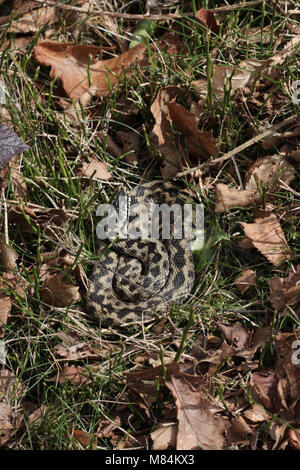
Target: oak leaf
78,68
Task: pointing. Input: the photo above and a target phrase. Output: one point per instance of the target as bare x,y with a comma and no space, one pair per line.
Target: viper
135,278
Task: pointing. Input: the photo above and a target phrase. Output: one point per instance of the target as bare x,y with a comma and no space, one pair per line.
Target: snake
136,279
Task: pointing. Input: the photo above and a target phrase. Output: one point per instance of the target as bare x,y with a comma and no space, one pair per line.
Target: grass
50,170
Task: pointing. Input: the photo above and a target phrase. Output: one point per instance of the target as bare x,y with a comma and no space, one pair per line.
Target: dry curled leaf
239,432
227,198
7,282
73,348
78,68
161,136
257,414
19,215
240,75
267,236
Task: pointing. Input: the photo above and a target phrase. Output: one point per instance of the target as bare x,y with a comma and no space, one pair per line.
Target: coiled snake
136,278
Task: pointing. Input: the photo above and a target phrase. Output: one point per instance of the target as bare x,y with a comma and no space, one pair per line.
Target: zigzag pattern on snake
136,278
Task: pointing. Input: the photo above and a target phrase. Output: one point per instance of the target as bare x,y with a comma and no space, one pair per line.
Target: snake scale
136,278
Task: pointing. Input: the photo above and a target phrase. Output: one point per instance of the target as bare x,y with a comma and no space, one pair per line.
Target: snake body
136,278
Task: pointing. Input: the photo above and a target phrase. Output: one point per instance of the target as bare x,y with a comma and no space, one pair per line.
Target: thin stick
136,17
240,148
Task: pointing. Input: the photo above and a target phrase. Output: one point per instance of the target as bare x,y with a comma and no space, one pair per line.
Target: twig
240,148
136,17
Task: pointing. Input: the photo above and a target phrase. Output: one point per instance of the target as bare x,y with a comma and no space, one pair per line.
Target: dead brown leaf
57,287
240,432
285,291
228,198
56,290
268,171
267,236
201,144
7,282
85,439
73,348
34,20
161,135
288,363
267,391
16,43
131,145
240,75
246,280
8,257
257,414
70,62
76,374
41,217
5,307
146,394
96,170
199,427
236,334
294,438
164,436
11,416
244,74
208,19
157,373
242,344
